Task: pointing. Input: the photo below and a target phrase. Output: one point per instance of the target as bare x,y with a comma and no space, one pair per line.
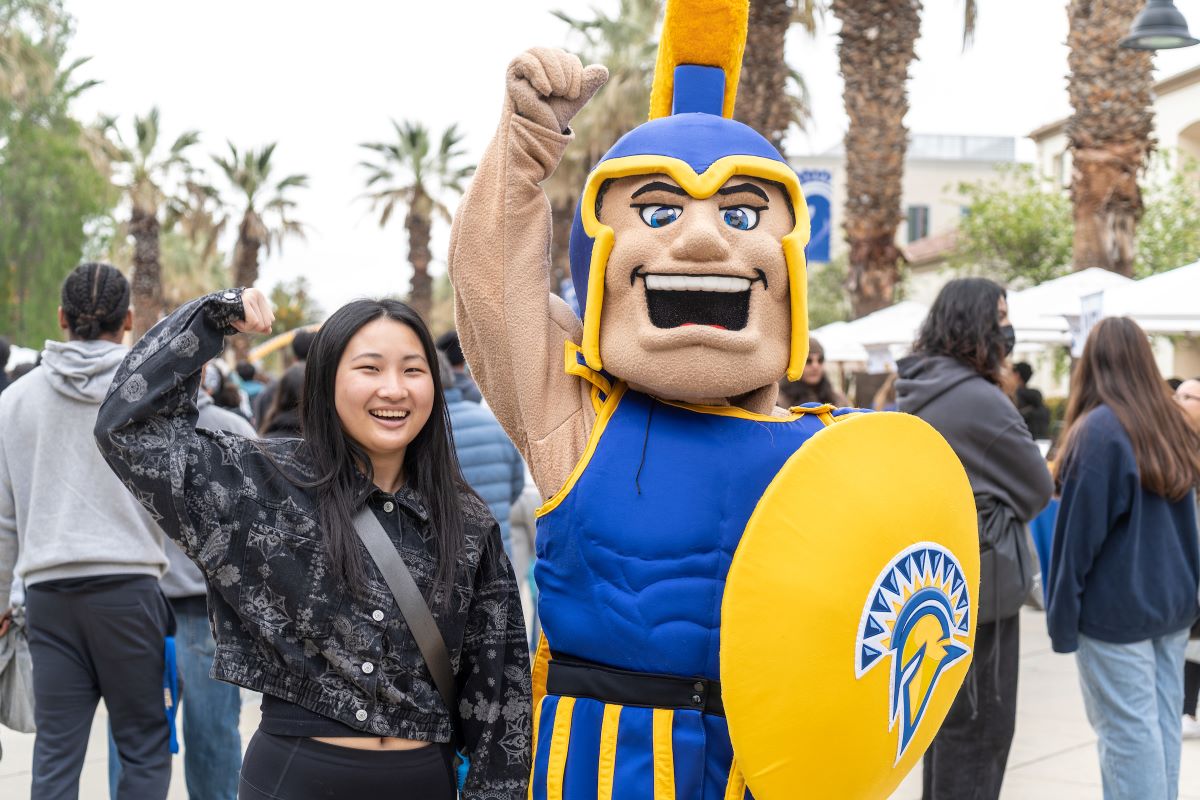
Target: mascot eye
741,217
658,216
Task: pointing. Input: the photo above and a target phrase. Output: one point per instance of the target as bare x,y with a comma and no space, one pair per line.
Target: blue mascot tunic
632,559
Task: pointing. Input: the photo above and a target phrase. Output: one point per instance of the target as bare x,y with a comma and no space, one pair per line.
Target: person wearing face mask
953,381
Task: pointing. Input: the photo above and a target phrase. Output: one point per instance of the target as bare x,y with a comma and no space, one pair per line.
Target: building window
918,222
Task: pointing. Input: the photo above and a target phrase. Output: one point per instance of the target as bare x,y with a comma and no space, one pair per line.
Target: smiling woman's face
383,391
696,287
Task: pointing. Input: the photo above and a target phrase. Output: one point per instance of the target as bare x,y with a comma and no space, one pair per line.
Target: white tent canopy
839,345
1041,314
1165,303
892,327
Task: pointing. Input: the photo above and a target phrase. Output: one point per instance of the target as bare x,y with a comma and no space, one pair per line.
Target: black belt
574,678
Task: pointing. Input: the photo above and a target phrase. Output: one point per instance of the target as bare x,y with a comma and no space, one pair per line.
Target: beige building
1176,126
934,166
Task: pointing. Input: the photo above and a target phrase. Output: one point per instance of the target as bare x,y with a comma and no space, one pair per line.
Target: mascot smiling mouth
717,301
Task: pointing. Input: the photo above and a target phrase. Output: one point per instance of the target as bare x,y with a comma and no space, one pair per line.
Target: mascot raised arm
737,600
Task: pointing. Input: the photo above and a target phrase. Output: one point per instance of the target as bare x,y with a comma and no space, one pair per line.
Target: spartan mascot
737,599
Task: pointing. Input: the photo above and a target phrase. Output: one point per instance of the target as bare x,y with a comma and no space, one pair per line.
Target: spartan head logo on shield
917,618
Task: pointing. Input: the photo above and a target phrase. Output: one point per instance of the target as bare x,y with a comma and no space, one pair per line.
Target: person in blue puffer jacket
489,461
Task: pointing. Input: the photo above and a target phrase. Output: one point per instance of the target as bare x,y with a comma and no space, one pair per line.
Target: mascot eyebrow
658,186
746,187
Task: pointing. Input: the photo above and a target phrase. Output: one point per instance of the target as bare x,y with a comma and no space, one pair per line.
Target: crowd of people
211,542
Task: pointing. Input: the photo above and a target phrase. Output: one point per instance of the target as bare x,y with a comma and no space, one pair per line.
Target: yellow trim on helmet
701,187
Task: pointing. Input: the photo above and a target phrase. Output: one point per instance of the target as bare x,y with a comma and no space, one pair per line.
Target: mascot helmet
691,138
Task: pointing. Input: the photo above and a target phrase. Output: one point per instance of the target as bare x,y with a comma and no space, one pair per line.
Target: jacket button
389,506
377,615
698,686
368,668
696,699
360,715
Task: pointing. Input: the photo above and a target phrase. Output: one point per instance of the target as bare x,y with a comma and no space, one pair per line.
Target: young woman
1125,562
814,385
953,381
300,611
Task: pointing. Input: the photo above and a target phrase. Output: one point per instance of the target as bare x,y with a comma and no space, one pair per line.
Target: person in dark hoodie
1126,559
89,554
952,381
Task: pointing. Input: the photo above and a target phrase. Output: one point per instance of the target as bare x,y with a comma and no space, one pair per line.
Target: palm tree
625,42
267,219
146,175
878,40
1109,132
763,100
410,172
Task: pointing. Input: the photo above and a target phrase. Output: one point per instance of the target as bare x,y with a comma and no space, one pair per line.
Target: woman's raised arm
188,479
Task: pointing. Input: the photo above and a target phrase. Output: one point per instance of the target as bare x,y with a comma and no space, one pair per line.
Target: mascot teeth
697,283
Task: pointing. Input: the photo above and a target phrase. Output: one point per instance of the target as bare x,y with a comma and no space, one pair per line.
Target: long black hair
964,323
430,464
95,300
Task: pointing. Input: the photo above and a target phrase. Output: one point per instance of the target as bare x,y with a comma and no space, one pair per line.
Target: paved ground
1053,755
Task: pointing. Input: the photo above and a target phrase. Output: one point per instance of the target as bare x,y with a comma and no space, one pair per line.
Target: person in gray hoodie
88,554
952,381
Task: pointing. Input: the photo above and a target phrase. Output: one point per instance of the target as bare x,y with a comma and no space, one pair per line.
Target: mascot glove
548,87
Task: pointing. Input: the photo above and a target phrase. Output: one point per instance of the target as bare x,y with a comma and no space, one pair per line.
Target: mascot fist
548,86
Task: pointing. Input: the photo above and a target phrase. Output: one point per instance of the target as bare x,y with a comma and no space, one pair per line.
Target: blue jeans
212,745
1133,693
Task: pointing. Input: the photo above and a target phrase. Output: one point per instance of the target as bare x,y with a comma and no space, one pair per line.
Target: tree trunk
1110,132
562,218
418,224
146,287
762,99
245,269
245,252
877,46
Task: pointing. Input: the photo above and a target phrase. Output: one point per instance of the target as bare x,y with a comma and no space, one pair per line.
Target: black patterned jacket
284,624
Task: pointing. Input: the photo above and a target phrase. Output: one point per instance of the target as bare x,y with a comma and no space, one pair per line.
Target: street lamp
1159,26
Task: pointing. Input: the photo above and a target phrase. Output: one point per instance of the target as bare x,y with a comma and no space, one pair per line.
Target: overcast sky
321,78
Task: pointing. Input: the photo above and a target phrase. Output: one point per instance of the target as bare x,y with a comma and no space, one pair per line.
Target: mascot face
687,256
696,285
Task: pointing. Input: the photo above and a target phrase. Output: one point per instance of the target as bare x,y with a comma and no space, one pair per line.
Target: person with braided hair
89,555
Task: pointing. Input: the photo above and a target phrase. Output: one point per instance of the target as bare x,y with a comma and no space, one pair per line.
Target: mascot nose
700,239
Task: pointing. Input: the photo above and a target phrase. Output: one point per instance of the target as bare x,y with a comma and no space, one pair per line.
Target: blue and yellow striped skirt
584,748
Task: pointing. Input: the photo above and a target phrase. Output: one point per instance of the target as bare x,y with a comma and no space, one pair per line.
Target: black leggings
298,768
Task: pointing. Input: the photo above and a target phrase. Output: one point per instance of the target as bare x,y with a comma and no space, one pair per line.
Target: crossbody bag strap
412,605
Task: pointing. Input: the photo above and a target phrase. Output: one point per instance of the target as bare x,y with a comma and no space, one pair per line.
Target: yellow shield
848,620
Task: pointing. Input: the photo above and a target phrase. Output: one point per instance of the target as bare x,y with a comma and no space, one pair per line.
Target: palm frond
186,139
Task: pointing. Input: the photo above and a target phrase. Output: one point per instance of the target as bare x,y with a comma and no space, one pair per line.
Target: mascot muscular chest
737,600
